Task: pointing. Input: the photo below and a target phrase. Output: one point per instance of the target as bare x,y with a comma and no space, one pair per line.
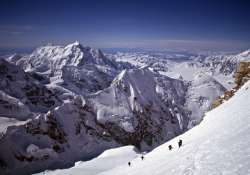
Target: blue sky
157,24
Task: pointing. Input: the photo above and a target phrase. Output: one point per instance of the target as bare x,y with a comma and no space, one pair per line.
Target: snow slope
109,159
218,146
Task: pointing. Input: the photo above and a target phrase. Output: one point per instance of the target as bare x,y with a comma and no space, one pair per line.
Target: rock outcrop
241,76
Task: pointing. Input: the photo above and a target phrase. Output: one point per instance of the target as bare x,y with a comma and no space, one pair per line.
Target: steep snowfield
219,145
109,159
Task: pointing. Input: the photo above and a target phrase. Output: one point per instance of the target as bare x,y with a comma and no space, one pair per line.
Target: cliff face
241,76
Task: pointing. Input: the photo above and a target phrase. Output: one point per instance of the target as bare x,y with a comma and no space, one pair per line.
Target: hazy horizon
147,24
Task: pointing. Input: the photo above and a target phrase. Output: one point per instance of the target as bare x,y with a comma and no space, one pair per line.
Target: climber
129,163
142,157
170,147
180,143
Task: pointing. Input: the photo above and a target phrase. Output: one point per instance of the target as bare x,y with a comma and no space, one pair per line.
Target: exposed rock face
242,75
227,95
21,93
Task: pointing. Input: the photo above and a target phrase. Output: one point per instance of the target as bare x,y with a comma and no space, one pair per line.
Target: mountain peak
134,75
74,44
245,53
50,59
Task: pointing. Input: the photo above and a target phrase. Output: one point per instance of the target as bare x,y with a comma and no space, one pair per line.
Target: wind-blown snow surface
218,146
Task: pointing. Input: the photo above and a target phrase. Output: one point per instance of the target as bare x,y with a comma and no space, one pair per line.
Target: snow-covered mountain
74,67
220,67
245,54
207,76
144,103
21,94
219,145
135,110
205,81
61,104
202,91
56,139
51,59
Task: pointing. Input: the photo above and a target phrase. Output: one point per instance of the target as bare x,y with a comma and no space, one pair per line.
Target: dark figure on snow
129,163
142,157
170,147
180,143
